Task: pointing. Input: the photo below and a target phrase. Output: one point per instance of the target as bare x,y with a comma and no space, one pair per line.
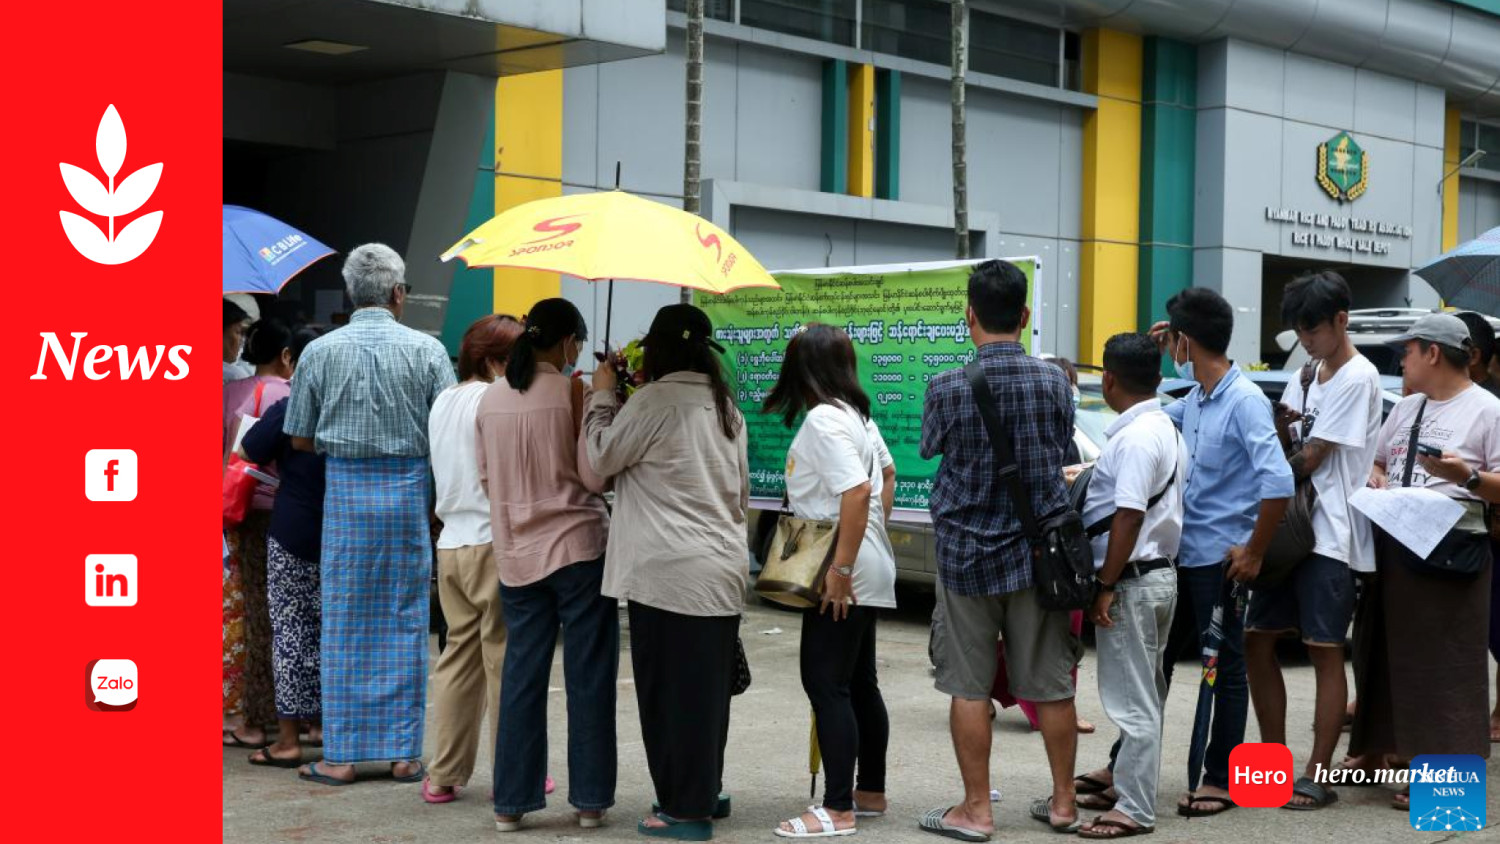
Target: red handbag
239,485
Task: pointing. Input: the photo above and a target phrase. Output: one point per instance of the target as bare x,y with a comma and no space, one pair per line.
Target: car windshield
1093,415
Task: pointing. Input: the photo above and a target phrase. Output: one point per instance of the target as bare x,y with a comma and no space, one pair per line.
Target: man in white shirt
1337,423
1134,516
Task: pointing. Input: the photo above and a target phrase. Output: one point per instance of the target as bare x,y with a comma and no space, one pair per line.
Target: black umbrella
1229,595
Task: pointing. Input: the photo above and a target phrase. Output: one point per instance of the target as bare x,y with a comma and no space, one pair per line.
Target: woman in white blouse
838,468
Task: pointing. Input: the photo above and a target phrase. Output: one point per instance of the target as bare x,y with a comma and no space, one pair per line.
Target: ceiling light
325,48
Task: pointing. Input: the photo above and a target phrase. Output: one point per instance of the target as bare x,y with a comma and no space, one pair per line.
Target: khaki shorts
1040,648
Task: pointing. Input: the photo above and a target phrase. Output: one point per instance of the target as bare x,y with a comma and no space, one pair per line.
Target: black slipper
236,741
269,761
415,776
1187,811
1321,796
1085,784
1125,830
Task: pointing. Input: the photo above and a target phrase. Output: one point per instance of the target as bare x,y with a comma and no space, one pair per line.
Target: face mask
567,366
1077,397
1184,369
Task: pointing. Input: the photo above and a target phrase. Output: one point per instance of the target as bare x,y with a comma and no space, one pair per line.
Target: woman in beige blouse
549,526
678,555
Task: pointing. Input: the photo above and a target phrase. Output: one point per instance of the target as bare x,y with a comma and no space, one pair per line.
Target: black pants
684,669
838,674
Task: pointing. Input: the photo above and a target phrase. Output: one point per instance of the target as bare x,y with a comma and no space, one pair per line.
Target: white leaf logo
110,201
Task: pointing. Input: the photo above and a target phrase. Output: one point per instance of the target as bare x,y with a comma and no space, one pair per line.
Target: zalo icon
1447,793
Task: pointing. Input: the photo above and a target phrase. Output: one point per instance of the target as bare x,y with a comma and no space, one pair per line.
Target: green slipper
721,809
678,830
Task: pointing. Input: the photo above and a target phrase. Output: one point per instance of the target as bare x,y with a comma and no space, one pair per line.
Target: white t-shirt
461,502
1467,425
833,452
1142,451
1345,411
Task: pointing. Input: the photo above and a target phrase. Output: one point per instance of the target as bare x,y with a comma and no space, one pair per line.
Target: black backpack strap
1411,446
1005,456
1102,526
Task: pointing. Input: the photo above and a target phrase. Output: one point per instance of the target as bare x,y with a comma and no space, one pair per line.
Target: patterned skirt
377,565
249,689
296,616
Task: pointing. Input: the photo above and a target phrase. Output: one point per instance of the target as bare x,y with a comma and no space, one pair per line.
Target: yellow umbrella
613,235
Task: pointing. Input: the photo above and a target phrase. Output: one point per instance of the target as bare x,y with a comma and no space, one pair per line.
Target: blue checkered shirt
980,547
365,389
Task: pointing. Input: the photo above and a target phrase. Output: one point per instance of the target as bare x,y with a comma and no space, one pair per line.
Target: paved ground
767,771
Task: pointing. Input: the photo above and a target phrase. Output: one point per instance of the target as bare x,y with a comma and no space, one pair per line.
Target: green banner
907,324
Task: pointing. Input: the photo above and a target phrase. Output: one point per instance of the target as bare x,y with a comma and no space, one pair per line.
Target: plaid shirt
365,389
980,547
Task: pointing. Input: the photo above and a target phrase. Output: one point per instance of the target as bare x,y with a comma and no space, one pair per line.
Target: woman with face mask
549,529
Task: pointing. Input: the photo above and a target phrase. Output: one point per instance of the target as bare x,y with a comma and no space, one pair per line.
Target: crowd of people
550,504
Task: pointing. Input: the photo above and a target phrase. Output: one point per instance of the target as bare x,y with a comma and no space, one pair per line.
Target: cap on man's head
682,323
1442,329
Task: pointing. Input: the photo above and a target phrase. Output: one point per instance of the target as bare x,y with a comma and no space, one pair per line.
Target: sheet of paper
1417,518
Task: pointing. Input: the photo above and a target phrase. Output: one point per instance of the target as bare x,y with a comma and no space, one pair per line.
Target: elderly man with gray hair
361,397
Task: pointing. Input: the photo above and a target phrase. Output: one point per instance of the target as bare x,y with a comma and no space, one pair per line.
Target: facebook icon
109,474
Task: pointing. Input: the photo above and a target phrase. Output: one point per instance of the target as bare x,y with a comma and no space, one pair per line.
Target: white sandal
826,830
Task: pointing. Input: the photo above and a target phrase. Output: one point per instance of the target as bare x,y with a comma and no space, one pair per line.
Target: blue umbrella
1469,276
262,254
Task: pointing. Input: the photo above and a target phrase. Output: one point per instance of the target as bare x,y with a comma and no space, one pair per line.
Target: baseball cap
684,324
1443,329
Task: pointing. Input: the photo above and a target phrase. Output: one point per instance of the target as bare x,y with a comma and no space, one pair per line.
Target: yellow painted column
528,166
1452,126
862,130
1109,262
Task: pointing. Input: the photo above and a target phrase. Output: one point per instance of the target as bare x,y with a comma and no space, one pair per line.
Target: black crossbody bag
1062,563
1462,554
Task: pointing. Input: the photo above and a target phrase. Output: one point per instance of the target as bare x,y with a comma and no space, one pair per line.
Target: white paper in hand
1415,517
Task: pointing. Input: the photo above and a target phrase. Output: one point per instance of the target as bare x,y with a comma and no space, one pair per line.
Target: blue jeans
591,660
1198,590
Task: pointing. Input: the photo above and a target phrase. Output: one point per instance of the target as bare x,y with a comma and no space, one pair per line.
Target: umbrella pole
609,313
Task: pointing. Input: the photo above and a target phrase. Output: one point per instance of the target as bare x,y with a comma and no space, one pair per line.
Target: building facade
1136,146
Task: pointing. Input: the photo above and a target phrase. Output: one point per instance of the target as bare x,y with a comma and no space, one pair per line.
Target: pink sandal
438,798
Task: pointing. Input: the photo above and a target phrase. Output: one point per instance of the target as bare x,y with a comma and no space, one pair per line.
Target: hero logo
96,365
554,228
111,201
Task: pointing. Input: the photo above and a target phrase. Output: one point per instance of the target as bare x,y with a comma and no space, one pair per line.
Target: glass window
1014,49
1489,141
1468,133
823,20
913,29
721,10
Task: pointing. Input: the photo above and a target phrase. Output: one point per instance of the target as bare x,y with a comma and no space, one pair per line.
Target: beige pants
466,683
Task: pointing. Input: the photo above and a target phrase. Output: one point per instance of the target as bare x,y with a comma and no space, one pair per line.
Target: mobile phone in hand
1429,451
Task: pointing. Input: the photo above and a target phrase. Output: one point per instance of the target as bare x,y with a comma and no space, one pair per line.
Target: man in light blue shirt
1236,489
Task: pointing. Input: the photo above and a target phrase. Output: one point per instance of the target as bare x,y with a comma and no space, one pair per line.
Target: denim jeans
1198,590
591,660
1133,687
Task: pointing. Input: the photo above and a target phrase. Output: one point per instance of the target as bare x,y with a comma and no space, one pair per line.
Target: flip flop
867,813
1086,784
1321,796
1098,801
1041,809
1401,800
236,741
826,828
313,775
721,809
591,821
269,761
677,830
415,776
1187,810
1125,829
436,799
933,822
508,826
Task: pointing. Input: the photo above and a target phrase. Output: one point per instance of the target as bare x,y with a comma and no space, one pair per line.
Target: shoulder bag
1465,551
239,477
1062,563
801,552
1294,539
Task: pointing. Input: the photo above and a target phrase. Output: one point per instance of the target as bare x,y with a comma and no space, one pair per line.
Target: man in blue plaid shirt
984,560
